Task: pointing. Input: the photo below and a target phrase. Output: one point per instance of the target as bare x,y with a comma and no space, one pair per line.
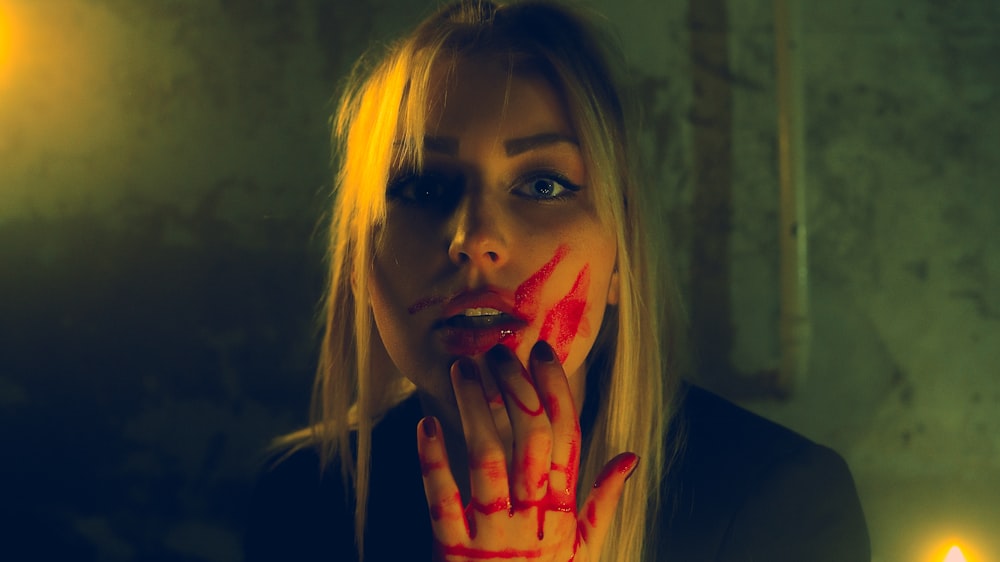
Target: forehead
481,92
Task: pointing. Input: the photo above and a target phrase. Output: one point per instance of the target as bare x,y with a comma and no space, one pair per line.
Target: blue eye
546,186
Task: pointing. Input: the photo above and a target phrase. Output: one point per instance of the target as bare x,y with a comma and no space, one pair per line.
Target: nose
478,238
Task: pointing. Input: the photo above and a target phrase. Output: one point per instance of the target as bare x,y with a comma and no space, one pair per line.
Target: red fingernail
542,352
430,427
631,469
624,463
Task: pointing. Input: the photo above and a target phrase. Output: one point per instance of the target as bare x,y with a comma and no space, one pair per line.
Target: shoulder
295,504
746,488
301,510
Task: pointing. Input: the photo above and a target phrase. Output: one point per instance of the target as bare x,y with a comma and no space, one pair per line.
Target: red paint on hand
622,464
481,554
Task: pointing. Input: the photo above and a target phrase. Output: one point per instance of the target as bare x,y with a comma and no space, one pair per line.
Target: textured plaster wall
163,168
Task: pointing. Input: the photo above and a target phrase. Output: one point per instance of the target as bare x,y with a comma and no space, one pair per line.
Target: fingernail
468,369
430,427
542,352
624,463
499,354
635,464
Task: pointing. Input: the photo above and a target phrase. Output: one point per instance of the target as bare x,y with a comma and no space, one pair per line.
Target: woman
495,360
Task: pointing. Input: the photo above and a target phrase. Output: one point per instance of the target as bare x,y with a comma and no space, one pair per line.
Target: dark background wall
164,166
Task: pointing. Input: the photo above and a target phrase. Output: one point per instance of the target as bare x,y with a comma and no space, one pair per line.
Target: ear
613,289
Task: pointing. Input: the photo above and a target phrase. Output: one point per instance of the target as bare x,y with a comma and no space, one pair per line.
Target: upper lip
479,298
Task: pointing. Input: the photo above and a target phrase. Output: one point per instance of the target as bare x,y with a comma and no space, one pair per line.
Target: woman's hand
522,508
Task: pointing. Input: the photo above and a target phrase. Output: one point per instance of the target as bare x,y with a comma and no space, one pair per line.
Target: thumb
598,511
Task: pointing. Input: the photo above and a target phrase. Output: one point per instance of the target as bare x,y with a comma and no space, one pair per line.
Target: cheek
567,320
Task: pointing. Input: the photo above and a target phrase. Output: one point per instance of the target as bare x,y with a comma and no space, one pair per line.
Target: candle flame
954,555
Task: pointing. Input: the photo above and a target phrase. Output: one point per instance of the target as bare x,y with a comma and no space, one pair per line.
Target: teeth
481,312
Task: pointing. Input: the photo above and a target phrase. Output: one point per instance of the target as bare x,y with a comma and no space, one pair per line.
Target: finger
487,461
443,500
558,400
532,432
598,511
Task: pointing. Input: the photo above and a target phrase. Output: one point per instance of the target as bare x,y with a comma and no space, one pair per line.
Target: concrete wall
163,166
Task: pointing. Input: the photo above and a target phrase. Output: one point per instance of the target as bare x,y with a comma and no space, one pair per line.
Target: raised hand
523,507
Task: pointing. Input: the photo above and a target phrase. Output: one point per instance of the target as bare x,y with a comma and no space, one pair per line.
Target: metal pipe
794,324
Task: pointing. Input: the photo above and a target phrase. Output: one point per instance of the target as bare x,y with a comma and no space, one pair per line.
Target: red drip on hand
482,554
592,514
509,394
427,467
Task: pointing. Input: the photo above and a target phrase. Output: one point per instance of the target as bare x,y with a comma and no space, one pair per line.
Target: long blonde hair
387,102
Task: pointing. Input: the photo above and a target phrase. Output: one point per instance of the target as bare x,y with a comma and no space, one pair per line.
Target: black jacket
743,490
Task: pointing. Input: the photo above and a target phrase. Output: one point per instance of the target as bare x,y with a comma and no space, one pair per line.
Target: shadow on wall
142,372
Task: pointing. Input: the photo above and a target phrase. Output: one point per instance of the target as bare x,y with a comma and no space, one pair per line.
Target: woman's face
497,239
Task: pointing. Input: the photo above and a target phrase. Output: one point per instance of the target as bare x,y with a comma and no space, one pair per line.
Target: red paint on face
561,325
564,321
592,514
424,303
526,295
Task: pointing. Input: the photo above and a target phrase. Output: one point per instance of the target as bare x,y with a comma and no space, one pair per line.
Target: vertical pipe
712,204
794,329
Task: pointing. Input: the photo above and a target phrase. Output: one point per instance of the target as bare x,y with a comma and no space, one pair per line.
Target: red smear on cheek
592,514
526,295
424,303
565,320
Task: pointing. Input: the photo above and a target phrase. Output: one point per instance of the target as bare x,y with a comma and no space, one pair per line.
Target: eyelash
400,187
401,184
569,188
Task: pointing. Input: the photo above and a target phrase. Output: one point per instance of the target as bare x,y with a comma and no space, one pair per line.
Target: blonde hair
381,115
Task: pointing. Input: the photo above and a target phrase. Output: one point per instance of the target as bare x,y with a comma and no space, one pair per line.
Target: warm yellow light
6,43
4,36
954,555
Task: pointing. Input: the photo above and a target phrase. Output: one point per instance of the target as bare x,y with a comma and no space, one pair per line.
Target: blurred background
164,171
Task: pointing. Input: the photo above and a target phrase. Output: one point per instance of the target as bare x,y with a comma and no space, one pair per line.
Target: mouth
473,322
478,318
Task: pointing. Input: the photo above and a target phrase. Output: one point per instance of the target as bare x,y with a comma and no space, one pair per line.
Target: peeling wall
163,169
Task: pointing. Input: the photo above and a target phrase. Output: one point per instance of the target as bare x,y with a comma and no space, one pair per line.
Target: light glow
954,555
6,42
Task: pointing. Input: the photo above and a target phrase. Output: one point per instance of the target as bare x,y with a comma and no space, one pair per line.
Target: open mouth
475,330
479,318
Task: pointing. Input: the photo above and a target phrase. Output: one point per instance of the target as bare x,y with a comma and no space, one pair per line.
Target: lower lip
468,341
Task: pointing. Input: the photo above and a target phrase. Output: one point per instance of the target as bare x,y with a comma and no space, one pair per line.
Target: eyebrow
513,147
524,144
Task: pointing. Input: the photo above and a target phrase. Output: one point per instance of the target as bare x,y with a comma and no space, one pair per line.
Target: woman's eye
422,189
550,186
